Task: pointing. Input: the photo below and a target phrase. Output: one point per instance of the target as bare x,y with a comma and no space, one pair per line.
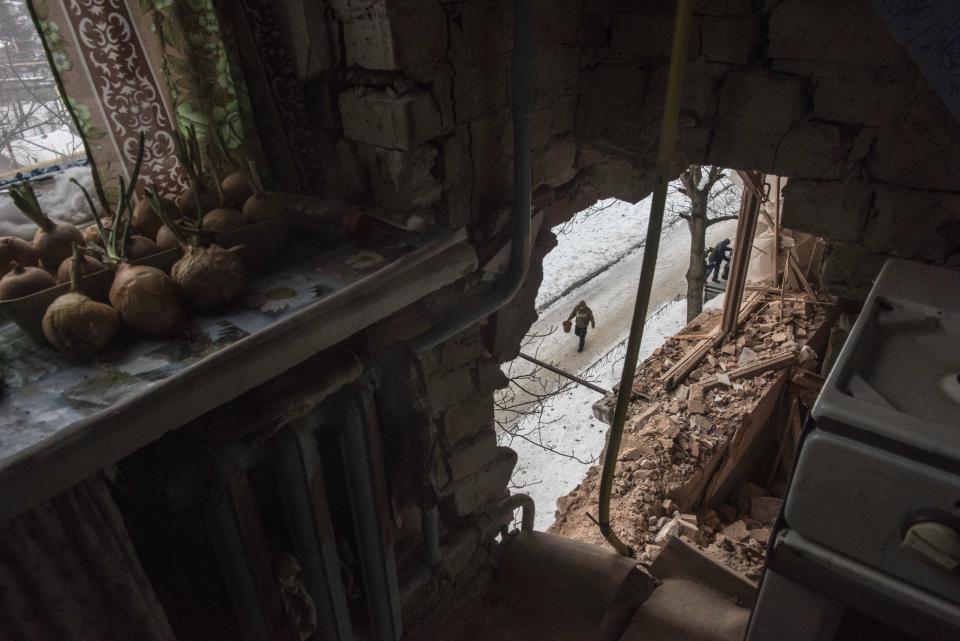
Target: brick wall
412,97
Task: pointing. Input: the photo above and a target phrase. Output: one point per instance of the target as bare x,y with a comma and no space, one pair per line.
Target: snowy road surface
567,424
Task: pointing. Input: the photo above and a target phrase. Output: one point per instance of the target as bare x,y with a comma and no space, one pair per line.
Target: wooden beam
776,236
682,368
746,229
775,362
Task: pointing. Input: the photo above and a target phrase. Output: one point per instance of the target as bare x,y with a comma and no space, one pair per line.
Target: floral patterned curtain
126,66
69,571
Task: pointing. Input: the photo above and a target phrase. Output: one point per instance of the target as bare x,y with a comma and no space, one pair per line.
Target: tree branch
720,219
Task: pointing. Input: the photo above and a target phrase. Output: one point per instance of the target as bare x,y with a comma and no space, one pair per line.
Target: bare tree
710,197
519,407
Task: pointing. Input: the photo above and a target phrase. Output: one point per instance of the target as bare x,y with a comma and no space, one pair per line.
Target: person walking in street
717,256
584,317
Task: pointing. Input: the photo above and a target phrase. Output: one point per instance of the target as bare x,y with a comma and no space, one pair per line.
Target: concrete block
457,165
449,388
455,209
457,554
403,180
849,269
480,30
916,157
831,209
480,90
471,455
648,35
466,419
914,224
858,101
465,347
730,39
395,38
491,147
385,119
468,495
825,30
491,378
557,70
554,164
756,110
557,22
812,150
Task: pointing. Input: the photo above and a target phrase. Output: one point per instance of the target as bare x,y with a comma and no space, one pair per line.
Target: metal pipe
377,560
522,84
565,374
668,138
430,526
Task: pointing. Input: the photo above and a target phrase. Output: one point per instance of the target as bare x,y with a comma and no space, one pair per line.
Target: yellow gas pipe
668,143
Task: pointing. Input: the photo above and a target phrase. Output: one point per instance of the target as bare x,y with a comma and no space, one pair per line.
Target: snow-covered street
556,448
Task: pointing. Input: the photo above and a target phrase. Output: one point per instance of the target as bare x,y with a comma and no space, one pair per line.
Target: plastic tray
259,243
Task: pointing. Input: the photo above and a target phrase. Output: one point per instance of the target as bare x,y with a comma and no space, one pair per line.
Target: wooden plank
676,374
690,337
800,277
775,362
776,235
746,230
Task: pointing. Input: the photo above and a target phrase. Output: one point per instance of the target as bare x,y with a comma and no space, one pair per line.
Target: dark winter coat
584,317
719,253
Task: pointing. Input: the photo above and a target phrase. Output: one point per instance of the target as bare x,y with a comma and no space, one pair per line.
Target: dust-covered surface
676,443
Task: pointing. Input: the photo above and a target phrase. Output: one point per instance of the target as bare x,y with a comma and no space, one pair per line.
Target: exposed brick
917,157
849,269
480,90
812,150
914,224
457,554
472,454
861,101
385,119
403,180
467,418
830,209
470,494
756,111
491,377
553,165
450,388
826,30
393,35
730,39
648,36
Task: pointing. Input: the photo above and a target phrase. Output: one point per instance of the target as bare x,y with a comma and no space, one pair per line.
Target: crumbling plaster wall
815,90
412,100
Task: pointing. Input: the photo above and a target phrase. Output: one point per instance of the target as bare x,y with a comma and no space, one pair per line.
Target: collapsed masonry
690,456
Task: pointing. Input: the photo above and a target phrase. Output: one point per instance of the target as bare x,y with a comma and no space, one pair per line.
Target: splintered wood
680,469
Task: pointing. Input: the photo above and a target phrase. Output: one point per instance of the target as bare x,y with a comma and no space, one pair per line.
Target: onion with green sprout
146,298
211,277
52,241
74,323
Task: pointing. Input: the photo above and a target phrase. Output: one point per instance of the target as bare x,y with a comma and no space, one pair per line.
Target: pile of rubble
679,446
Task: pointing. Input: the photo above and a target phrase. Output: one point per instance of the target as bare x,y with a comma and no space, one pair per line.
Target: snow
591,241
568,426
60,199
556,448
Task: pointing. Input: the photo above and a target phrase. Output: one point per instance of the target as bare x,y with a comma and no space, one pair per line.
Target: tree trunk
698,234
